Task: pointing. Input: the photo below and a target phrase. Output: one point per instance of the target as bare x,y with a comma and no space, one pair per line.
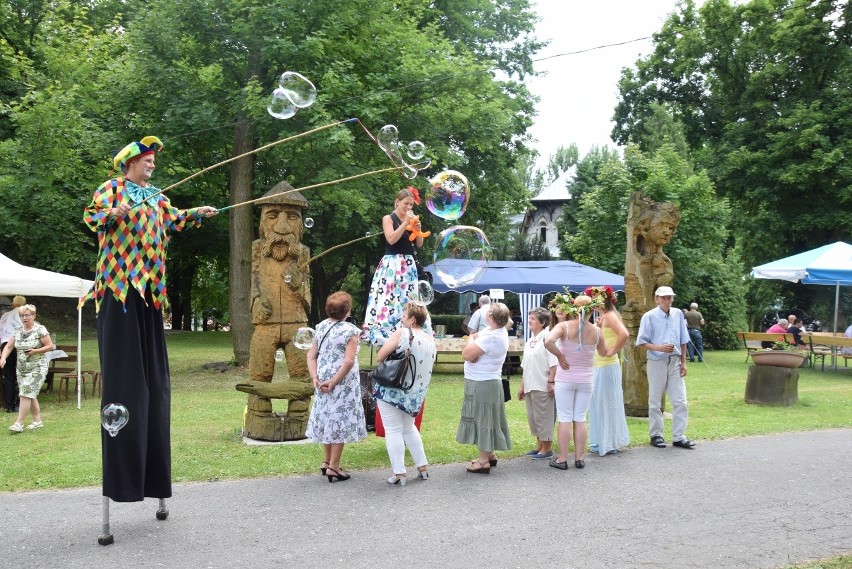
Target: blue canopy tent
530,280
826,265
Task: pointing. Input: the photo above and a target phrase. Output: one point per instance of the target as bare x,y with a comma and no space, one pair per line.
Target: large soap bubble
304,337
280,105
422,294
448,195
462,255
114,417
298,89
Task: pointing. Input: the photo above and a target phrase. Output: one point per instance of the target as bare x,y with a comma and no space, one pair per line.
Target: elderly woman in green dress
31,342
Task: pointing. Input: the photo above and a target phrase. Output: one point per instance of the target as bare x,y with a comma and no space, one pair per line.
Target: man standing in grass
694,322
663,333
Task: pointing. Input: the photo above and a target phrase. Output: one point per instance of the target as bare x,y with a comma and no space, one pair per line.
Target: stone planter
779,358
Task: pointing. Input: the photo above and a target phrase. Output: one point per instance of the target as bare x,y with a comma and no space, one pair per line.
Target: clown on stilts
132,224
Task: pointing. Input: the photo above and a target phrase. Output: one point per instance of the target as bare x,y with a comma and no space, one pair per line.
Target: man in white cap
662,331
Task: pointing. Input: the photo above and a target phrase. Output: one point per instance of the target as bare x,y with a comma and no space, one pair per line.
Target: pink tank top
580,361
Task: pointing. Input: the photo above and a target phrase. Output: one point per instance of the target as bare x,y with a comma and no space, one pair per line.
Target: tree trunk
771,385
241,235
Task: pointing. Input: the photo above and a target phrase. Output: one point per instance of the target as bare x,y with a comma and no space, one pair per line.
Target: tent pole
79,355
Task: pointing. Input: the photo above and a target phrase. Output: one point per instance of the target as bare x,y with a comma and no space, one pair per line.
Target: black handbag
398,369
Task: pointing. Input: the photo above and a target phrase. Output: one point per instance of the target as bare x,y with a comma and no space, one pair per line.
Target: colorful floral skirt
393,281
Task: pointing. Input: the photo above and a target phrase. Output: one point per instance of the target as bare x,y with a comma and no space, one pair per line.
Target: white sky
579,92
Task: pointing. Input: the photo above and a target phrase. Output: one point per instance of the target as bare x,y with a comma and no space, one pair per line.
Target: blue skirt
607,422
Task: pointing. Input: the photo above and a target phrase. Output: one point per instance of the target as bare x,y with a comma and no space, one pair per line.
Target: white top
478,323
8,323
495,344
537,363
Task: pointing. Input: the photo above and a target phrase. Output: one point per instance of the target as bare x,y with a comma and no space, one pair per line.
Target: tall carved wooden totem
650,225
280,303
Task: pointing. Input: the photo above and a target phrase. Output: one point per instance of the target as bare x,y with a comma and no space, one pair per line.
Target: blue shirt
657,327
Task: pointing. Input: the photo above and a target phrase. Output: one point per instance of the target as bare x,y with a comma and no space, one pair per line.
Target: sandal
477,467
658,441
684,443
560,465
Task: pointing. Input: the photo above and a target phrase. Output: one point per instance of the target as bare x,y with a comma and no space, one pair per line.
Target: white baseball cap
664,291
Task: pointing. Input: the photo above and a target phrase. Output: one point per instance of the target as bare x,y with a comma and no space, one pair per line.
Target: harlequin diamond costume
129,292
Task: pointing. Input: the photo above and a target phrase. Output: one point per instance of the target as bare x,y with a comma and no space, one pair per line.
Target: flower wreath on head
581,304
603,292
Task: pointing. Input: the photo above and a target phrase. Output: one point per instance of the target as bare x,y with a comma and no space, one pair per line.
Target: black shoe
684,443
560,465
658,441
579,463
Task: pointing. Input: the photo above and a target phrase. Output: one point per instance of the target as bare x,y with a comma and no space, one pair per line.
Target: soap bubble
448,194
298,89
309,222
388,139
279,355
461,256
114,417
280,106
422,294
303,338
416,150
288,278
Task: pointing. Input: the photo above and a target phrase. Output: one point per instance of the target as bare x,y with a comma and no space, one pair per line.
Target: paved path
749,502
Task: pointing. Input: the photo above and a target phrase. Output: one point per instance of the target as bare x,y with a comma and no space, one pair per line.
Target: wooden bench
65,364
822,345
752,341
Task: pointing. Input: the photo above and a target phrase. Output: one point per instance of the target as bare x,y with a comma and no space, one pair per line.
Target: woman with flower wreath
396,274
607,421
574,343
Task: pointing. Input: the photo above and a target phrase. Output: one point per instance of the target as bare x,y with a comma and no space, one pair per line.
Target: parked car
811,324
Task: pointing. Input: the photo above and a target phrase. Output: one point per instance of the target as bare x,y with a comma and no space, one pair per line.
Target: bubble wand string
249,153
330,249
321,184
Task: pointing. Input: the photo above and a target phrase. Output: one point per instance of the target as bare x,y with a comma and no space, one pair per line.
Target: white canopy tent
28,281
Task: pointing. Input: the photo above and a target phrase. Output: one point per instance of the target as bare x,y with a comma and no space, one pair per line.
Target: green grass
207,415
843,562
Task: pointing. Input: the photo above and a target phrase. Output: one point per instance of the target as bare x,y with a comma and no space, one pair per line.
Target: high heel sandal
324,467
477,467
397,480
336,475
423,474
491,461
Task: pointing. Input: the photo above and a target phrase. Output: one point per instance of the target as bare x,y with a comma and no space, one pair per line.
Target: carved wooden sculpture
650,225
280,302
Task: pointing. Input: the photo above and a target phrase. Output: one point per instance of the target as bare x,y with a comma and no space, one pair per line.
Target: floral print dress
32,370
337,416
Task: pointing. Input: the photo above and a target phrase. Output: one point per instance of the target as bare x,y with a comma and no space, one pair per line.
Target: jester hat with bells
148,145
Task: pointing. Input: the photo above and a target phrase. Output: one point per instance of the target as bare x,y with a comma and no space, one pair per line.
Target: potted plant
781,354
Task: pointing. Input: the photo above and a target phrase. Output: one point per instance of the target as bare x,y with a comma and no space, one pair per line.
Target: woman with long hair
574,343
396,275
607,421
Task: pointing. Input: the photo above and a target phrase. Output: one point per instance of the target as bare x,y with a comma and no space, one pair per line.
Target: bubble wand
249,153
311,187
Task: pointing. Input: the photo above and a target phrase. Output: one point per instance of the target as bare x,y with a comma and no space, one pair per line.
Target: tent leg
79,357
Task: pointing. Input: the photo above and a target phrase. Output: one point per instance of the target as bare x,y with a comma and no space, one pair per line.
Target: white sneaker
35,425
17,428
